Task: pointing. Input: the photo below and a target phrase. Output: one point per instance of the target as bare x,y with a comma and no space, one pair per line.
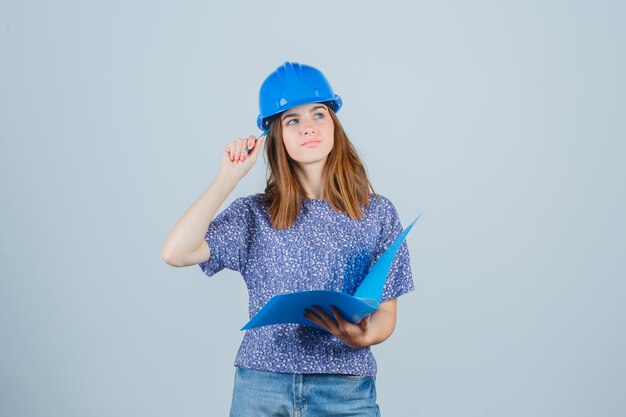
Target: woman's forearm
188,233
382,323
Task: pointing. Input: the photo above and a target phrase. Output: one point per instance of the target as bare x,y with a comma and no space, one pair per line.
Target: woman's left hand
354,335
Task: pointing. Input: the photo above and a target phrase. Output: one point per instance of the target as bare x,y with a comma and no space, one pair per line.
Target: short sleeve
228,237
400,278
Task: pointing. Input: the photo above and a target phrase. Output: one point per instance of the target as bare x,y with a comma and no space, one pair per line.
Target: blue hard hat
292,85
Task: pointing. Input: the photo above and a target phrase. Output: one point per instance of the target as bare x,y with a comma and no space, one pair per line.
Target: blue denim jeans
265,394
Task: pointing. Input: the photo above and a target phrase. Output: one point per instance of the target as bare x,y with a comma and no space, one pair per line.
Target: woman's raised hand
236,160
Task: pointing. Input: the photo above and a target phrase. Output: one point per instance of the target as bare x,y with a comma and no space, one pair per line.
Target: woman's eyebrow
295,114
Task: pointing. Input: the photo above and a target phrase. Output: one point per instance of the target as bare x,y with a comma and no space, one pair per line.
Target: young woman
317,226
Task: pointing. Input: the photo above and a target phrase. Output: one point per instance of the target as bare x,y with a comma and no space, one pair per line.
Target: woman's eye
319,114
292,120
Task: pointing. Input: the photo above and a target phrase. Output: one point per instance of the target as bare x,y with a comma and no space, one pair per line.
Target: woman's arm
383,322
185,244
372,330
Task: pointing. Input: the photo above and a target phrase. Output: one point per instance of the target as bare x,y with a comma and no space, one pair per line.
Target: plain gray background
503,121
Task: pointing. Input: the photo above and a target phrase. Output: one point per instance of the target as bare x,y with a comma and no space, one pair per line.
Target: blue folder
289,308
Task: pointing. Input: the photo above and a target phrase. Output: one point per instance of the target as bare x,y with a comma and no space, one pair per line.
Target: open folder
289,308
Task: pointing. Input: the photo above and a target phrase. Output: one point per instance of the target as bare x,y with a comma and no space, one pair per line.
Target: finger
230,150
244,149
365,323
251,143
257,146
245,152
342,323
238,147
314,318
329,321
338,316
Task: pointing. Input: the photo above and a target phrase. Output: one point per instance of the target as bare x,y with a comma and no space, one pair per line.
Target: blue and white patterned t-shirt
323,250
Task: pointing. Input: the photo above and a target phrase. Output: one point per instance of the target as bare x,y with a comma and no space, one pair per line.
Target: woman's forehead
304,108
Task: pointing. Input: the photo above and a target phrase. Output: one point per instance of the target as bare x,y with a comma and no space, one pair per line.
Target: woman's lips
311,143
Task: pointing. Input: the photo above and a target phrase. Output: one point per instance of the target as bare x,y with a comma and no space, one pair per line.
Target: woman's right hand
235,161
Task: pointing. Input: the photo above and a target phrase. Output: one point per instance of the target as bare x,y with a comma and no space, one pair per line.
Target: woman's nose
308,128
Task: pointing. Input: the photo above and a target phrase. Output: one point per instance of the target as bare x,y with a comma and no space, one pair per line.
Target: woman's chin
311,160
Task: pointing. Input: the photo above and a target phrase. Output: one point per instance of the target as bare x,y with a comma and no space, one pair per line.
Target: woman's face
308,133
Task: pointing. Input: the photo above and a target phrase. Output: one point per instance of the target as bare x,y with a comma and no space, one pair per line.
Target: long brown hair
346,185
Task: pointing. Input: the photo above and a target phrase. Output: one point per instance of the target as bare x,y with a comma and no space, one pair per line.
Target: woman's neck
311,179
